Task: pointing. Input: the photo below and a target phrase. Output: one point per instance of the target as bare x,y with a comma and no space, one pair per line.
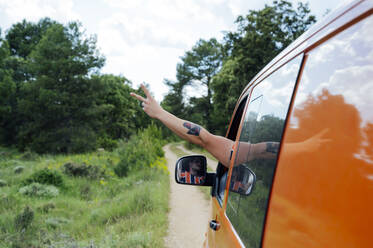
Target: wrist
162,115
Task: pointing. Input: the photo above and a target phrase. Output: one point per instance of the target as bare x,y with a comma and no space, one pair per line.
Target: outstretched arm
218,146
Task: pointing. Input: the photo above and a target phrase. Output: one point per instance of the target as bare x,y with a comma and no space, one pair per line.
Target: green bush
7,202
29,155
18,169
56,222
107,143
24,219
40,190
83,170
46,176
3,183
45,208
85,192
140,151
122,168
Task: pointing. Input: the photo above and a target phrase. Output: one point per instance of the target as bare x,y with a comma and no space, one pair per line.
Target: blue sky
143,40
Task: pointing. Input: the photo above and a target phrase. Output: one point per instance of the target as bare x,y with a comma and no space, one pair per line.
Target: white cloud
141,39
33,10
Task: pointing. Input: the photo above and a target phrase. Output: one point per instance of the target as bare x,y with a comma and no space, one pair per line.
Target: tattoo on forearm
193,128
272,147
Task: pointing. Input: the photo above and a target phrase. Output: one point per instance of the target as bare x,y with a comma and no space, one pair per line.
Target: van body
315,102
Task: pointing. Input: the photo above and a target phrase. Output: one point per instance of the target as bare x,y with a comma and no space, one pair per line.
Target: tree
123,114
59,107
19,41
261,35
197,68
173,101
7,94
22,39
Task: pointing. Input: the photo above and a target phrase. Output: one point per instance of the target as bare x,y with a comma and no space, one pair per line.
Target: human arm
269,149
262,150
220,147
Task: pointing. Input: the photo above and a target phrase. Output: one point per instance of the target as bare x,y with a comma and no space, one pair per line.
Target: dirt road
189,211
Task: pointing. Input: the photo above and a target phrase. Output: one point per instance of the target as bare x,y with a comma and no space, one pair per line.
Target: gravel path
189,211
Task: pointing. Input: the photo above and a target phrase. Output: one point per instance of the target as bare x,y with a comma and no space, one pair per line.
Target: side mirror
191,170
242,180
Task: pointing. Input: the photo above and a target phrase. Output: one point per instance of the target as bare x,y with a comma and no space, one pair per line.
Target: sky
143,40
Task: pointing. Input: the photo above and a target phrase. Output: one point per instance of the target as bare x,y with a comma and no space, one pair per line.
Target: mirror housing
242,180
192,170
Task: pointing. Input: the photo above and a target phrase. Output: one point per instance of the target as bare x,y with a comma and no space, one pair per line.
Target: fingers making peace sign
149,104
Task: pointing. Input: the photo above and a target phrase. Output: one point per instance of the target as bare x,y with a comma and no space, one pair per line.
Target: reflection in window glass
330,180
259,142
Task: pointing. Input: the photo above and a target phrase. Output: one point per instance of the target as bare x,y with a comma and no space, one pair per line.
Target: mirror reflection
242,180
191,170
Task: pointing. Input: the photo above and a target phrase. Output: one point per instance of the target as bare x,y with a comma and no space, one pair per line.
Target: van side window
258,148
333,102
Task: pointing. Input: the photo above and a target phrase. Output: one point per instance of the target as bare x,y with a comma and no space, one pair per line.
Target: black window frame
232,134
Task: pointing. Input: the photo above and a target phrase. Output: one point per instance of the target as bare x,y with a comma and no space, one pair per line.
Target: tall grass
108,211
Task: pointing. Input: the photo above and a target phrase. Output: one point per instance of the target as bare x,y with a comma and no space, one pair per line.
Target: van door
215,238
322,197
258,146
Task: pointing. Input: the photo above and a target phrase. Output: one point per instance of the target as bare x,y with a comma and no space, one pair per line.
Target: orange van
315,102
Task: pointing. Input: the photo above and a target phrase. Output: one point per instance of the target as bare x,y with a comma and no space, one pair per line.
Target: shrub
122,168
3,183
24,219
47,207
140,151
107,143
83,170
40,190
55,222
18,169
28,155
85,192
7,202
46,176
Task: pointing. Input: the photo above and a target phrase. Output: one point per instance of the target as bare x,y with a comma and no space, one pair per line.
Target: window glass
259,141
332,120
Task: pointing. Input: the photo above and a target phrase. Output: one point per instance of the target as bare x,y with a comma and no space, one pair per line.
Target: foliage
197,68
29,155
260,36
52,97
7,93
56,222
140,151
3,183
39,190
24,219
225,68
47,207
83,170
110,212
46,176
18,169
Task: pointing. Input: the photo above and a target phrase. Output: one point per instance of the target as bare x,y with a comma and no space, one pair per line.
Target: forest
73,140
54,99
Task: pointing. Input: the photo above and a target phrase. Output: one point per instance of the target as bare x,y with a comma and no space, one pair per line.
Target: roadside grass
102,212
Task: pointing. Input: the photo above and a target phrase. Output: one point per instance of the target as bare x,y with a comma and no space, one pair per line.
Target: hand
315,142
149,105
